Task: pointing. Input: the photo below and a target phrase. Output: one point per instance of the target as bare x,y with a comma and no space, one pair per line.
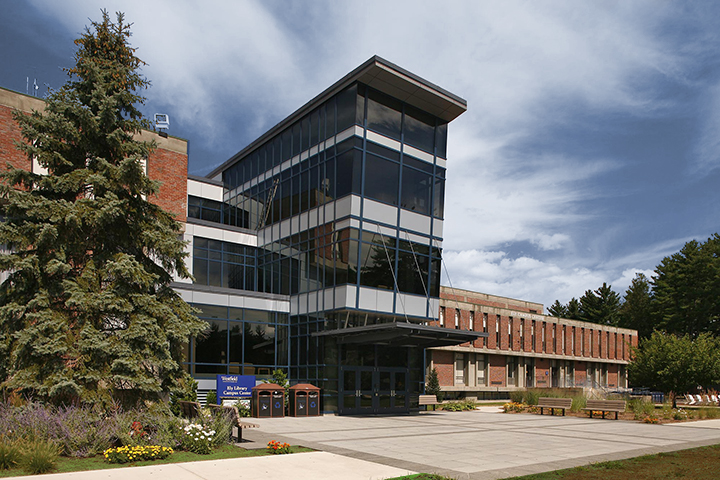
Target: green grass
66,464
697,464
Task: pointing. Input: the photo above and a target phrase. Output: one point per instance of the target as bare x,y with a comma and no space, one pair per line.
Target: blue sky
591,145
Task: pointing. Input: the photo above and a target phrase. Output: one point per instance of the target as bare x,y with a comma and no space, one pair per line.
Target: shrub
578,403
277,448
651,419
641,407
197,439
532,397
459,406
211,397
514,407
10,453
517,396
128,454
40,456
243,409
708,412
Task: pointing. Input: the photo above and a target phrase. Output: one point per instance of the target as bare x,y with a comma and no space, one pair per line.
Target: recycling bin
304,400
268,400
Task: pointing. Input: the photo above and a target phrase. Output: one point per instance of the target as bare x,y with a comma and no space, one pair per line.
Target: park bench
428,400
617,406
189,409
231,412
553,403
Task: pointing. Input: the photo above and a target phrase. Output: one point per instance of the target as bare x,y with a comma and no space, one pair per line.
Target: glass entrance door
374,390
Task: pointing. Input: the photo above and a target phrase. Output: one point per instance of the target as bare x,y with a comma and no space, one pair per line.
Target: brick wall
496,370
443,361
168,164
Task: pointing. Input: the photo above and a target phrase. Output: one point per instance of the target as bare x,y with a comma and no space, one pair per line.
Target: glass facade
239,340
327,252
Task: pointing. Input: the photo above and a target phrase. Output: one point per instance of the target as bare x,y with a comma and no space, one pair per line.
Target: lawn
696,464
66,464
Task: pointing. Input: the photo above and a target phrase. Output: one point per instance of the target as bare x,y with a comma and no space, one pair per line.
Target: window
223,264
481,366
572,342
485,328
522,334
543,336
442,316
510,333
384,114
497,331
554,338
582,342
457,319
459,369
472,320
511,371
532,336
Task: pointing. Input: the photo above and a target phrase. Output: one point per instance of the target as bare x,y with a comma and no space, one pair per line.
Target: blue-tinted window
419,129
381,179
384,114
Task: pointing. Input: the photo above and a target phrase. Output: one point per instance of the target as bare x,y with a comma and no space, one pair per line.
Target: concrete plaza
481,444
484,444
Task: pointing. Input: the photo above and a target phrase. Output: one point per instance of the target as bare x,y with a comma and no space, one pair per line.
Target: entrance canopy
402,334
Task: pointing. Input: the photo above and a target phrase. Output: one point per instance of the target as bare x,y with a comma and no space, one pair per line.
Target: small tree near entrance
432,386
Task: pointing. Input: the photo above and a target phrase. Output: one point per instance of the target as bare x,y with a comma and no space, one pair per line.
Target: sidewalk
298,466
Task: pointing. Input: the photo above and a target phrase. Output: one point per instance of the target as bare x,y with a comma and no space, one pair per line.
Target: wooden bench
231,412
617,406
428,400
189,409
553,403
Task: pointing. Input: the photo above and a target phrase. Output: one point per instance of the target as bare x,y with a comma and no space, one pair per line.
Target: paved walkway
484,445
480,444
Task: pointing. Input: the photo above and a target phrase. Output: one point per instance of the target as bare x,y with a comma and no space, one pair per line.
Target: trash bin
268,400
304,400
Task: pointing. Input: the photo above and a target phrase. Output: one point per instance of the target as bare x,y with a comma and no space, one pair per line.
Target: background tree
675,364
635,312
600,306
686,289
558,310
573,309
87,312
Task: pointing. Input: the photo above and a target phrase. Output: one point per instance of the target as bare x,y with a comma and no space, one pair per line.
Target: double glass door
374,390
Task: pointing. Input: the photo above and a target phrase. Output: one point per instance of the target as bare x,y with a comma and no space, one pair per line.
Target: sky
590,149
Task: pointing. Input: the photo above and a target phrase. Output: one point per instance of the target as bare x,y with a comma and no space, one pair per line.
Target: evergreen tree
600,306
635,311
558,310
573,309
87,313
432,387
686,289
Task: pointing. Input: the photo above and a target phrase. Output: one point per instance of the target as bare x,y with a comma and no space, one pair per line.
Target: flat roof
381,75
402,334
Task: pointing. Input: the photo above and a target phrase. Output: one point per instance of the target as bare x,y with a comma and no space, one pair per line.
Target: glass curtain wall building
346,200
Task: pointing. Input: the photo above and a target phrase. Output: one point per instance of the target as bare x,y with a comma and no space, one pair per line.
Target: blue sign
235,386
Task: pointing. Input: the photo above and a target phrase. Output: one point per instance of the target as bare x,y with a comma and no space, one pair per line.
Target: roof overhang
401,334
380,75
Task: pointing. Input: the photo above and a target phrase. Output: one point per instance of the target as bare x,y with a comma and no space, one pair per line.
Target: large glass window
416,190
381,179
223,264
384,114
419,129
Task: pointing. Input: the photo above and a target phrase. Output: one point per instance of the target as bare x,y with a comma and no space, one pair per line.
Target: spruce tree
87,312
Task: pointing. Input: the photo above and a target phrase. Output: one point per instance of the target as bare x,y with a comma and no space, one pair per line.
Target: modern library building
317,250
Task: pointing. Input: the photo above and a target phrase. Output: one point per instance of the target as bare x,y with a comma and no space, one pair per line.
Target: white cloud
524,67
